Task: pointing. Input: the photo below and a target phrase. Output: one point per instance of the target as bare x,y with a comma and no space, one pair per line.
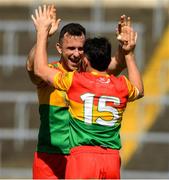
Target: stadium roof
88,3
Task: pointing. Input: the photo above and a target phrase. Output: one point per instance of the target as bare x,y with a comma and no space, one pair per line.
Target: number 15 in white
88,99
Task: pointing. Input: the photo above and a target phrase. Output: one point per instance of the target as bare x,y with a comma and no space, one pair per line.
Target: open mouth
75,62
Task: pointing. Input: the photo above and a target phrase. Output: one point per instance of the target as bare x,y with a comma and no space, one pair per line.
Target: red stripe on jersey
98,85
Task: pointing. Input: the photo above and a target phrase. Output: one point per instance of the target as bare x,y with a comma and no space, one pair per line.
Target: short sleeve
133,92
63,80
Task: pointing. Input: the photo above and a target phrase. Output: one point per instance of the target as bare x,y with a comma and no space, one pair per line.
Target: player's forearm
133,73
117,64
30,59
41,68
30,67
41,58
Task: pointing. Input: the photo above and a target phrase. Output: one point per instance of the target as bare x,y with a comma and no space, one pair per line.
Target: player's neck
90,69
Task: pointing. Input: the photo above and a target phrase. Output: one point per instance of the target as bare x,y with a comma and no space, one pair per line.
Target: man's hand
126,35
127,42
51,10
45,19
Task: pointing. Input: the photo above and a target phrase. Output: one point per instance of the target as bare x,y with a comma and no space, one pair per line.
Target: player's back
97,103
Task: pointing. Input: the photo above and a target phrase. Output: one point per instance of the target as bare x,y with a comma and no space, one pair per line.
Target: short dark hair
74,29
98,52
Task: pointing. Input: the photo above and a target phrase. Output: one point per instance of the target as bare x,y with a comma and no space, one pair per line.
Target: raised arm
123,32
51,11
43,24
30,59
133,71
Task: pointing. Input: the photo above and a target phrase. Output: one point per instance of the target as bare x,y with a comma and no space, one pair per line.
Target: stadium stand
145,133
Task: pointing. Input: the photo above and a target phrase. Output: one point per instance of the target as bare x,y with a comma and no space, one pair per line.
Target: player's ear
59,48
86,61
84,64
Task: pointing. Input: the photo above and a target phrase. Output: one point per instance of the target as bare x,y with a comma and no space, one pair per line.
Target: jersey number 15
88,99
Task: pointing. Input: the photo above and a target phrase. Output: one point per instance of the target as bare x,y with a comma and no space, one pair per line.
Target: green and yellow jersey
97,103
53,134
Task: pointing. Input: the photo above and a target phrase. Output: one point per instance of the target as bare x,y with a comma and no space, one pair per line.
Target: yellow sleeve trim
132,90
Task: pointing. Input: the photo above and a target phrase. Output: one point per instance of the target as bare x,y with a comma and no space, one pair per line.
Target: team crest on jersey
103,80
